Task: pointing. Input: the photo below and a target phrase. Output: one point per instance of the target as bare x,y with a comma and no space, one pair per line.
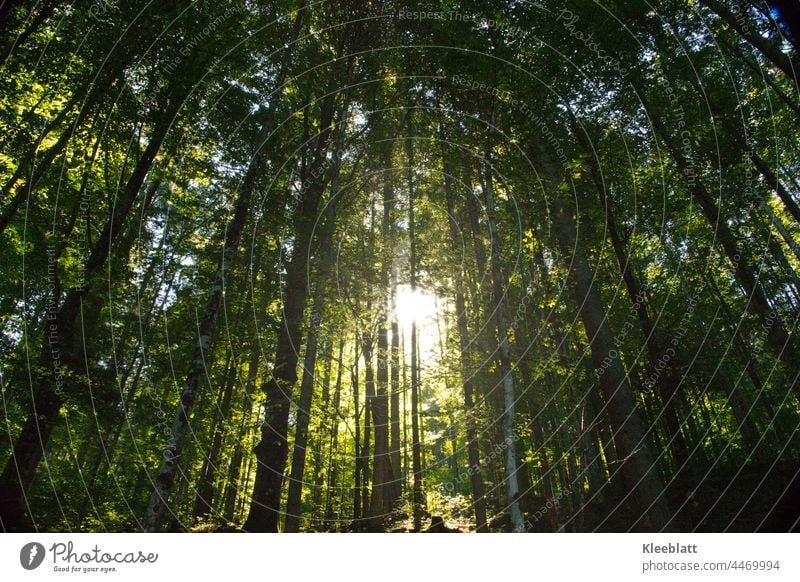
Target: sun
415,306
419,306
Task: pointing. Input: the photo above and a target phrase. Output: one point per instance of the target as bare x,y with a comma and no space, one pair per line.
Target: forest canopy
345,265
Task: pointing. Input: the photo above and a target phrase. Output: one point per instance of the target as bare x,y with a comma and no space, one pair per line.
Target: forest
383,266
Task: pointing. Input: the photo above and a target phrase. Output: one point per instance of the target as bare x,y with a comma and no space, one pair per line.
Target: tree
295,266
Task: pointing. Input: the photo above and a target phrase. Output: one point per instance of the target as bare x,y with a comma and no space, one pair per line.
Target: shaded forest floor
756,497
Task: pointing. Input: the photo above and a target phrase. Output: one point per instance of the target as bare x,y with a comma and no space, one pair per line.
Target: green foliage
550,104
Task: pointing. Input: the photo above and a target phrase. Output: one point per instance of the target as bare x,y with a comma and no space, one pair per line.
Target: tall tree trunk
358,453
638,467
295,489
307,385
668,384
234,468
369,399
334,441
165,475
382,472
504,349
404,408
204,497
473,447
416,450
293,505
108,447
328,418
397,470
273,447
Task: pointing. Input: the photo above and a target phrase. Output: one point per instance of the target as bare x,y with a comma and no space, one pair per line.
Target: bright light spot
359,120
414,306
418,307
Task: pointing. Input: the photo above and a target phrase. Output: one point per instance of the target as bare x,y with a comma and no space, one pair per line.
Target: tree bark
397,470
234,468
328,418
772,180
504,353
334,441
273,450
382,472
299,450
204,496
668,384
416,449
358,453
638,468
165,475
473,447
369,398
293,505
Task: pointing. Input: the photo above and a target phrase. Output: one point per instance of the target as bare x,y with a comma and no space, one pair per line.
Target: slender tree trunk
509,398
234,468
638,467
273,449
332,449
382,473
328,418
293,505
380,504
397,470
108,448
546,473
299,450
203,503
165,475
416,450
369,398
668,384
473,447
358,454
406,390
